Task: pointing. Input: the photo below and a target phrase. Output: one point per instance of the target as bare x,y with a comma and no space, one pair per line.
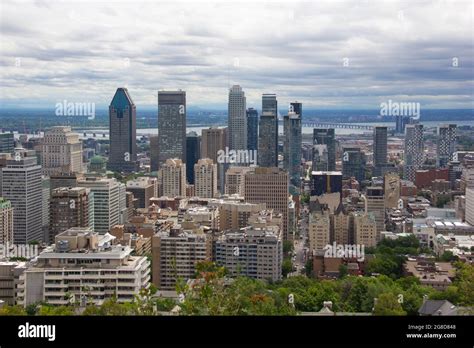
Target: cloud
325,53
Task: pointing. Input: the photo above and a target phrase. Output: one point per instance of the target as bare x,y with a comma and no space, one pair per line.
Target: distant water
306,130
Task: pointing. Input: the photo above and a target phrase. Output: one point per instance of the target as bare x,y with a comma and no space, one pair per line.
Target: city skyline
204,55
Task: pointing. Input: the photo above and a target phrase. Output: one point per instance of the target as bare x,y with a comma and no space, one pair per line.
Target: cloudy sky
327,54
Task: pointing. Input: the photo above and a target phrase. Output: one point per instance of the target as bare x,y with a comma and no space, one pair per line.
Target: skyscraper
326,182
414,149
123,133
61,151
6,221
252,129
173,178
446,144
268,132
353,163
320,158
376,207
154,162
193,154
7,143
214,140
327,137
237,119
380,150
171,126
109,201
21,185
401,122
205,173
69,207
269,186
292,145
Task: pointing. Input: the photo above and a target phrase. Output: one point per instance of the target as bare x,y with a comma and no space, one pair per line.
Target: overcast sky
326,54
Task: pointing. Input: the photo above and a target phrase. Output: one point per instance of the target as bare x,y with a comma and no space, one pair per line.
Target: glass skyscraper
123,133
171,126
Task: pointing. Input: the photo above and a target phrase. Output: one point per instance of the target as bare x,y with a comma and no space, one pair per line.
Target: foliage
286,267
387,304
287,247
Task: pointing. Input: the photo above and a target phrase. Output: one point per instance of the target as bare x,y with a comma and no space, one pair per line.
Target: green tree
287,247
448,256
342,270
387,304
12,310
286,267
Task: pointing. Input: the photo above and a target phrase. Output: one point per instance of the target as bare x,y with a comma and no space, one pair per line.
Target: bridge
341,125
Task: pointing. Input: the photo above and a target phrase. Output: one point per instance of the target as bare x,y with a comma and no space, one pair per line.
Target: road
299,259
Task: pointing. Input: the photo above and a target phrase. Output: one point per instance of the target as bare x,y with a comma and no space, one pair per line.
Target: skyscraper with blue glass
123,133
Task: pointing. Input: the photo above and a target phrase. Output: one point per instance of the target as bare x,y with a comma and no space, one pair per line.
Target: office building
193,154
292,146
327,137
380,150
353,163
123,133
268,132
365,230
175,254
325,182
269,186
22,186
234,180
252,129
470,206
376,207
61,151
319,231
171,126
109,201
340,226
143,189
6,222
205,173
446,145
254,252
173,178
237,119
7,142
400,123
414,150
154,160
214,140
69,207
391,190
320,158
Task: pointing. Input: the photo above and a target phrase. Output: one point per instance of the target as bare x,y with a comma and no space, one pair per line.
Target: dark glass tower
252,129
380,150
327,137
123,133
171,126
292,145
268,132
353,163
193,154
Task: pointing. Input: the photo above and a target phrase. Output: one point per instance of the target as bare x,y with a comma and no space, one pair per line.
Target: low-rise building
84,266
252,252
